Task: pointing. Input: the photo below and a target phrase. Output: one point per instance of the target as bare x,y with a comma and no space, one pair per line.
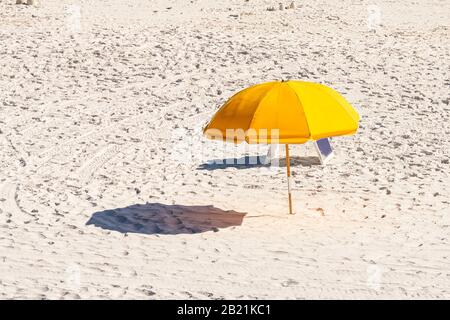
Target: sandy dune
106,184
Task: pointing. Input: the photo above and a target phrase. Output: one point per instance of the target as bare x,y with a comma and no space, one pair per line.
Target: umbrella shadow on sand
158,218
249,162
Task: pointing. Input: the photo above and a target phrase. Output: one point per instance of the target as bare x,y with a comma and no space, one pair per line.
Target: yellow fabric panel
326,117
340,99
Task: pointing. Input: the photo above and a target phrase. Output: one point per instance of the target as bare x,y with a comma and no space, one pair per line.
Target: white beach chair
324,150
272,153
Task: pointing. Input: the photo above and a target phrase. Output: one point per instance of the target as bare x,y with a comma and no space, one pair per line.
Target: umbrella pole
288,168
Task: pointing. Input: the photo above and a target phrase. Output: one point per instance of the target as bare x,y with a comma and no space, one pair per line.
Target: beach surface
108,190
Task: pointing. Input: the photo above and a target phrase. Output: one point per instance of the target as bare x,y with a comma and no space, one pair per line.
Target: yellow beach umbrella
283,112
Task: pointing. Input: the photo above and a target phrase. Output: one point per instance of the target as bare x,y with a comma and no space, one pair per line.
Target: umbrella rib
302,109
256,109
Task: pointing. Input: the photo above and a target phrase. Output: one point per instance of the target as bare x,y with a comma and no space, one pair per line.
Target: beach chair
324,150
272,153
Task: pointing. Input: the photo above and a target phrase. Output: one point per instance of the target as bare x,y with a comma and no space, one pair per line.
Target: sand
106,189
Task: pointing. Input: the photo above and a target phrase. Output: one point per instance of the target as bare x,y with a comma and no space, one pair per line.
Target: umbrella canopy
283,112
300,111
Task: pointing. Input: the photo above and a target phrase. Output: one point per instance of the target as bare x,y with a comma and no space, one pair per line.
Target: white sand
90,118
